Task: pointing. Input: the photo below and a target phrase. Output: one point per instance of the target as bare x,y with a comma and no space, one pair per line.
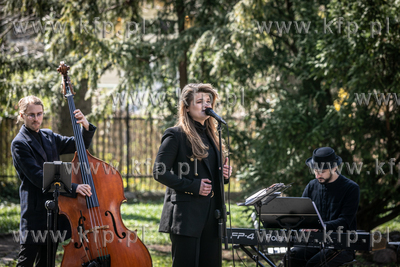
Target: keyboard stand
290,213
255,257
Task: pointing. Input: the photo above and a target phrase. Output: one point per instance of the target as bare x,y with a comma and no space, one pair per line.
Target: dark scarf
37,136
208,141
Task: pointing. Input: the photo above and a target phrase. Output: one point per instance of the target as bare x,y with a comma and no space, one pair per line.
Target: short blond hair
23,104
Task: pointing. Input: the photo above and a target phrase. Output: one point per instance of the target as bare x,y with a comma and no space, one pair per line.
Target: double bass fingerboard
84,166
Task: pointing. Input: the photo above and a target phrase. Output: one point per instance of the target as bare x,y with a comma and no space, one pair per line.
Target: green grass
148,184
144,217
9,217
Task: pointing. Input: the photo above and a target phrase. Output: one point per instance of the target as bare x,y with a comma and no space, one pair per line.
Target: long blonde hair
24,102
200,150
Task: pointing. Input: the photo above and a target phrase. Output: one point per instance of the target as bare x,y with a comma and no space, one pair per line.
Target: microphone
211,112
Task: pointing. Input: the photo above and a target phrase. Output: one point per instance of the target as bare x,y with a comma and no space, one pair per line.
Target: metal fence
128,143
8,130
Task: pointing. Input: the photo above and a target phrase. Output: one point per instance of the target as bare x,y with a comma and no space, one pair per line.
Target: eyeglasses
32,116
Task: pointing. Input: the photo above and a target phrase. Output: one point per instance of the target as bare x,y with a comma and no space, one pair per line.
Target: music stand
291,213
56,179
259,199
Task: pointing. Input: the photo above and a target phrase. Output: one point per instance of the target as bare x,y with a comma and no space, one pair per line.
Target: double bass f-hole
115,228
81,230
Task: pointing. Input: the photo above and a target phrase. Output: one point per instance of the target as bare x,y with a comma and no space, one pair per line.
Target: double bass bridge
104,261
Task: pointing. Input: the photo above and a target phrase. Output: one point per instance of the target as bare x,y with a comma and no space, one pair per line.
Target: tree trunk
180,10
183,80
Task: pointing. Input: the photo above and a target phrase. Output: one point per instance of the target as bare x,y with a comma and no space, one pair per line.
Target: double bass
99,237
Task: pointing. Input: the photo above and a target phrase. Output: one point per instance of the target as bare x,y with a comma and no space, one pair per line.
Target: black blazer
185,211
28,158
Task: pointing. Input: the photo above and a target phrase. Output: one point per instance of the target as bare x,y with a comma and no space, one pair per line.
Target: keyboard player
337,199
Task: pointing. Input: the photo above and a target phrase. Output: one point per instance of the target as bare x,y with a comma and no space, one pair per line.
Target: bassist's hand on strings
81,119
84,190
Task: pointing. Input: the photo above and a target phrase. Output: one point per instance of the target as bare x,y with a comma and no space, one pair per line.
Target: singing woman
188,163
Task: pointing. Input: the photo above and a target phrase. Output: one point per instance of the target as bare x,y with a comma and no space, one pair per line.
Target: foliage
69,32
9,191
310,80
10,216
149,52
296,90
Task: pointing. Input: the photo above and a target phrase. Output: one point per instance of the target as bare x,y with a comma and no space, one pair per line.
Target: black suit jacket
28,158
185,211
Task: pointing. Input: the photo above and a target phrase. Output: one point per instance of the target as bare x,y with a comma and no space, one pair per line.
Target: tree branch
110,8
5,32
391,216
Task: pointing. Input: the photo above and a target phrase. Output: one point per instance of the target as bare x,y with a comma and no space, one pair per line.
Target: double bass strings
92,201
78,143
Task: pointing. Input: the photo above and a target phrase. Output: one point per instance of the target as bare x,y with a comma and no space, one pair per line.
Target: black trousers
204,251
31,254
312,257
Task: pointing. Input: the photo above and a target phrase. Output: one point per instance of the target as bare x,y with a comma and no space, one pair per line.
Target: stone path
8,249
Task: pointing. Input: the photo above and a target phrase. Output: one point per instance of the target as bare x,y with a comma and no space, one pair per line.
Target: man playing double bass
30,149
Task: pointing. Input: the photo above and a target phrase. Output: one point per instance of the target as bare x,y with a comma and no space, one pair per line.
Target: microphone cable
229,197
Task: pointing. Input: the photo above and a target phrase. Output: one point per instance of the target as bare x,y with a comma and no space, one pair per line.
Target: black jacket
28,158
185,211
337,202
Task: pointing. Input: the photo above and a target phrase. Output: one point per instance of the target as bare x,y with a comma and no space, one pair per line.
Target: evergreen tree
311,78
